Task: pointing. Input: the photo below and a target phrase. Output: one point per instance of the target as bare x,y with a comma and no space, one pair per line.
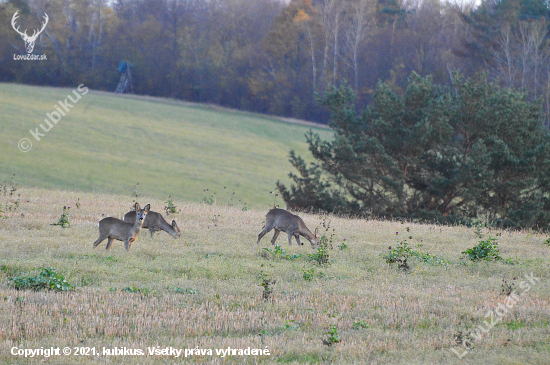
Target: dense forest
272,56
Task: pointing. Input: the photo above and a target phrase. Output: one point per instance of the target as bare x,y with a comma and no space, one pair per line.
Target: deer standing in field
154,222
294,226
116,229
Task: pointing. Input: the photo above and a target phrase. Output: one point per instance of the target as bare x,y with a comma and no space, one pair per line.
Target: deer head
29,41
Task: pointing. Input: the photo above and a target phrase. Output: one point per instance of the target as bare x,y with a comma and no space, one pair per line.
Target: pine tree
445,154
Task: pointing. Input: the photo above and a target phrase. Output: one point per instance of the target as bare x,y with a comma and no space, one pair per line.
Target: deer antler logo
29,41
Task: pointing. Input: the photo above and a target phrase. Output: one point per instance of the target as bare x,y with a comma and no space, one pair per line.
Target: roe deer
294,226
154,222
116,229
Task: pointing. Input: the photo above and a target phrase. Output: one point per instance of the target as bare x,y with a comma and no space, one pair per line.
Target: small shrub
64,220
360,324
321,257
463,338
547,242
309,275
343,246
514,325
275,195
400,254
12,186
48,279
332,336
184,290
477,231
208,199
266,283
486,250
133,289
510,261
277,253
170,208
506,289
292,325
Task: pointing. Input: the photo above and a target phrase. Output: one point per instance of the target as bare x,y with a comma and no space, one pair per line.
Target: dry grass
410,317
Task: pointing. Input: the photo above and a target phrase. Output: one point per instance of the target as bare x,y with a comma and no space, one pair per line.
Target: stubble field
203,291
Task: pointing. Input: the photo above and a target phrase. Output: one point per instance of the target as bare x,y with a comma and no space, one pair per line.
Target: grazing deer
154,222
294,226
116,229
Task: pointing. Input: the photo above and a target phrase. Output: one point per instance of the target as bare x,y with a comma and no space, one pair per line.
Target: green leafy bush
170,208
184,290
266,283
64,220
332,336
310,274
486,250
321,257
278,253
403,251
48,279
133,289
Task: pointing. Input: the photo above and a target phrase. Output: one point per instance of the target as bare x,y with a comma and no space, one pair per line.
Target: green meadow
109,143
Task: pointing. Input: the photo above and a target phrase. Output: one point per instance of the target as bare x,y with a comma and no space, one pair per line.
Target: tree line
271,56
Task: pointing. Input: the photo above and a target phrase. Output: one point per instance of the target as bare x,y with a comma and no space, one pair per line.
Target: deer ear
136,206
147,207
174,223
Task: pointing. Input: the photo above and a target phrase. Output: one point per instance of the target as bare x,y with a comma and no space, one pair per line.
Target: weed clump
310,274
48,279
400,254
321,257
506,288
486,250
64,220
170,208
266,283
277,253
332,336
133,289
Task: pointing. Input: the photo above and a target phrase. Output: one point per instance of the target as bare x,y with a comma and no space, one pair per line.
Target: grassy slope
108,143
411,317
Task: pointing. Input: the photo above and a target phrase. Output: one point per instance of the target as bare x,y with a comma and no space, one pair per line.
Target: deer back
118,229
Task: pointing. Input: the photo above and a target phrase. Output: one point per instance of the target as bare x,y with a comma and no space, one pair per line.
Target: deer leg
127,244
99,240
298,240
290,235
109,243
263,233
152,237
275,236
